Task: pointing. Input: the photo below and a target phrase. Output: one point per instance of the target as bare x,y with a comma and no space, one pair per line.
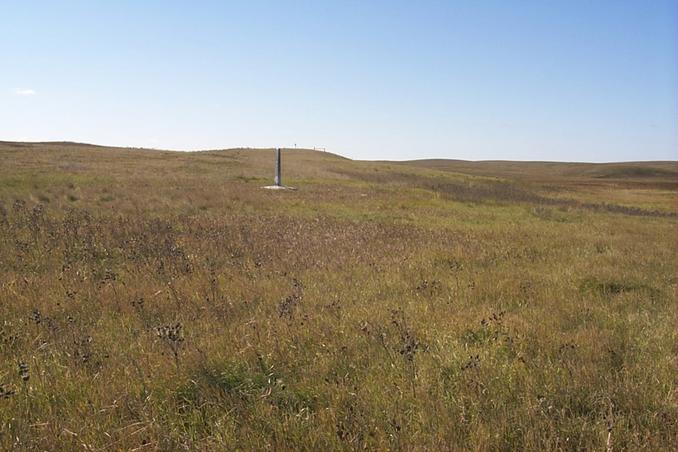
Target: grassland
158,300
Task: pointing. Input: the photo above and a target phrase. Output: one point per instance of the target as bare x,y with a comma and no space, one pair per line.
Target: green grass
163,301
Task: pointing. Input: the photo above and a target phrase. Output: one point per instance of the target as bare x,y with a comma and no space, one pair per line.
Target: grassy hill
162,300
648,172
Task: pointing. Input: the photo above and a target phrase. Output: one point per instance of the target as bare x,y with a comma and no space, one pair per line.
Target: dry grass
156,300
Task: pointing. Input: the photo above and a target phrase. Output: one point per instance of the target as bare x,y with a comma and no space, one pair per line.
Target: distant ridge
54,143
663,169
655,170
100,146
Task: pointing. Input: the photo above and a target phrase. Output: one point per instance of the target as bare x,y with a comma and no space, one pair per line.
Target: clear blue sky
567,80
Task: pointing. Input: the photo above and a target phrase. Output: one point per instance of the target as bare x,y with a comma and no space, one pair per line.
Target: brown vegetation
162,300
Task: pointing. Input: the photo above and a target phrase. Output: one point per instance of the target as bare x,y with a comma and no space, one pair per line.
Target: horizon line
324,150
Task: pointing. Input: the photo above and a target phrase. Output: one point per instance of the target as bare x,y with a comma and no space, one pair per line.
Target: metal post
278,168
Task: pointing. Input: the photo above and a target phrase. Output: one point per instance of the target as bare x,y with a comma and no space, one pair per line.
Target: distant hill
313,164
654,170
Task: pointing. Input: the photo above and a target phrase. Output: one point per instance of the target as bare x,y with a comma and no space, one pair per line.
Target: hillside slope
647,186
647,172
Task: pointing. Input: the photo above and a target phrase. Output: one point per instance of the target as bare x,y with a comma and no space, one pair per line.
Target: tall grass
205,313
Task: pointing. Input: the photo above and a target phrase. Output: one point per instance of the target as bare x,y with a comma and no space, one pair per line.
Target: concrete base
278,187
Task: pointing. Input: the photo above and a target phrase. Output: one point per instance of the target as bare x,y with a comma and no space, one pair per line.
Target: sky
570,80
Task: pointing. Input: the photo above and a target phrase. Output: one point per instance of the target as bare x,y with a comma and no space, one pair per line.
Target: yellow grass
161,301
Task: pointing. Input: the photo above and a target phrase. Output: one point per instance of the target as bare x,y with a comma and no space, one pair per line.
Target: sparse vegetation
161,301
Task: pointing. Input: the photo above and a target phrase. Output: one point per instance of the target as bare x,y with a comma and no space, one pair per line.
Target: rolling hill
156,300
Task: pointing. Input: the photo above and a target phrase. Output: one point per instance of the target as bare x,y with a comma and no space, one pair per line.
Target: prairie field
156,300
